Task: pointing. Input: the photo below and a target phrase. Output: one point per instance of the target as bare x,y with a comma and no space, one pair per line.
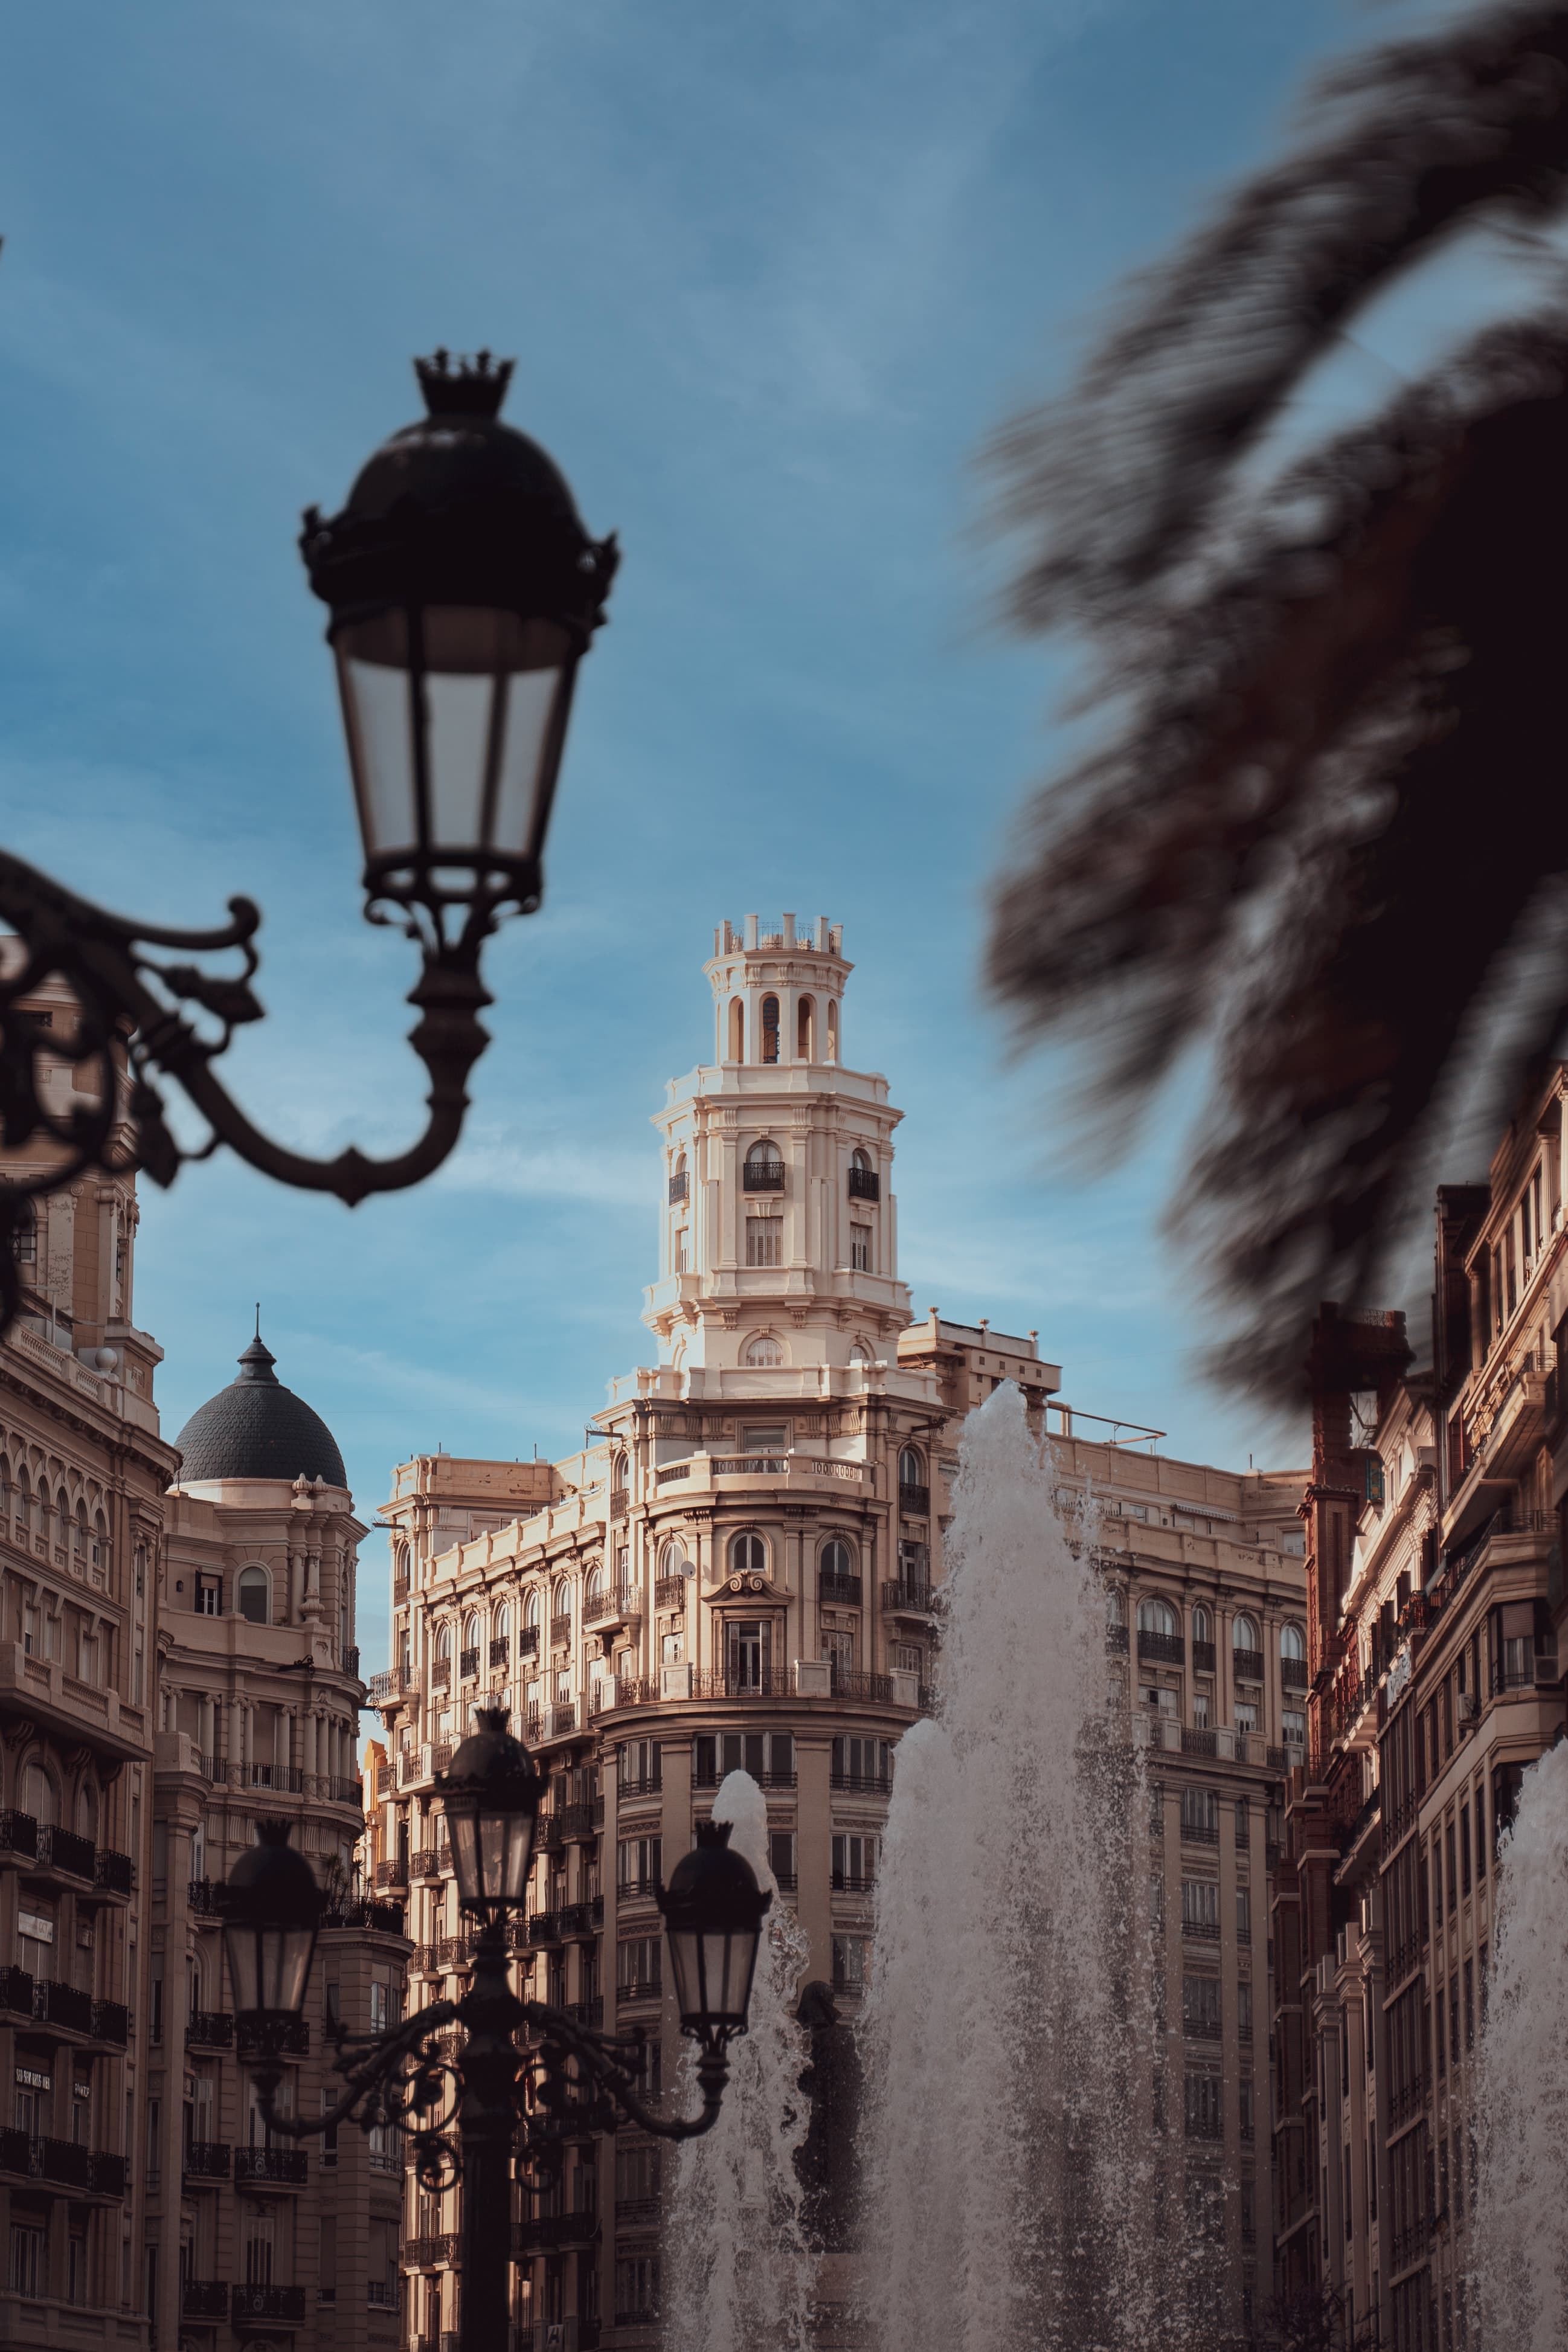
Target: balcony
590,2013
385,1781
1116,1638
19,1836
1204,1658
467,1665
637,2212
866,1784
559,1721
399,1591
1201,1931
206,2159
1293,1672
846,1589
276,2306
63,1850
762,1176
669,1593
392,1873
636,1988
853,1881
386,1689
865,1184
112,2023
63,2164
914,1502
1164,1648
380,1918
429,2253
441,1674
428,1862
918,1601
614,1607
528,1641
544,2231
544,1926
560,1630
210,2029
500,1653
680,1186
204,2299
296,2040
114,1873
1248,1666
271,2167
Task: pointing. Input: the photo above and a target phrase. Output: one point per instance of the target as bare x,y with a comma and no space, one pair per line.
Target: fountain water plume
738,2272
1011,2175
1520,2218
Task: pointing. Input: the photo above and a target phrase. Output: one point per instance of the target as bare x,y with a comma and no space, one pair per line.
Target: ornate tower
778,1243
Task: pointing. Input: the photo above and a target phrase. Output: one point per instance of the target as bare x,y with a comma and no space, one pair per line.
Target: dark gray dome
255,1428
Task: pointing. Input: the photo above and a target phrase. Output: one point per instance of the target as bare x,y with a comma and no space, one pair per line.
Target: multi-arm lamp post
501,2097
463,592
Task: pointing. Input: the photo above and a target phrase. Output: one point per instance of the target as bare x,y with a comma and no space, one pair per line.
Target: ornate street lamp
463,593
528,2077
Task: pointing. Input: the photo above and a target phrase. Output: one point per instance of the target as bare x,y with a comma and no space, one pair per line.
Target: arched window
24,1504
764,1353
400,1560
101,1543
38,1796
471,1632
837,1562
911,1469
860,1162
502,1628
443,1644
765,1167
86,1810
1244,1635
620,1475
737,1030
24,1237
1115,1606
805,1030
1292,1642
561,1600
253,1594
672,1558
1156,1617
1203,1624
769,1028
748,1554
531,1606
597,1587
79,1537
832,1031
860,1353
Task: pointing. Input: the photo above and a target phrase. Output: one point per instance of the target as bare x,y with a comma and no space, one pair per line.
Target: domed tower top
778,995
255,1428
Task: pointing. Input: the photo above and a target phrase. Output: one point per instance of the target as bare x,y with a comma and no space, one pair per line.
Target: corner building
737,1570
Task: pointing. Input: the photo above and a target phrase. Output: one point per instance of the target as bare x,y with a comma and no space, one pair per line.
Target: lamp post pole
496,2099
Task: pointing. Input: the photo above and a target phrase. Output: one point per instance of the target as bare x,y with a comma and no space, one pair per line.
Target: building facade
257,2237
83,1473
1434,1570
738,1569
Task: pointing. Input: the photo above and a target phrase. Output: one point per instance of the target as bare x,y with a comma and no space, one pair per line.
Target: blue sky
771,274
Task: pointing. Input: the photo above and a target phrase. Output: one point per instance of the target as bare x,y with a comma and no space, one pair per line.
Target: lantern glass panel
712,1975
373,679
270,1968
491,1853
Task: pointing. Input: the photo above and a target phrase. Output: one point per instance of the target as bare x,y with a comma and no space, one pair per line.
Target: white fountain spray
1008,2156
1520,2219
738,2271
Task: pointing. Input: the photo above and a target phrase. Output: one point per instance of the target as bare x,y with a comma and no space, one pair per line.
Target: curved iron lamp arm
134,1009
601,2059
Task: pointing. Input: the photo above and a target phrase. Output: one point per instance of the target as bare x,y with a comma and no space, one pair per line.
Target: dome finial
257,1362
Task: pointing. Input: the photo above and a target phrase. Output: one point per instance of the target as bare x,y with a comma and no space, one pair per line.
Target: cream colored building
82,1474
738,1571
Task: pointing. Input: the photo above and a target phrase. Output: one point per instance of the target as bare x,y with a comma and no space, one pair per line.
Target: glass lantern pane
457,738
243,1968
534,723
372,677
465,1855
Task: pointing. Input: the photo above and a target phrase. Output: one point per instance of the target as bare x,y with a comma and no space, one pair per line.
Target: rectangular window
838,1649
1243,1914
636,2174
860,1249
638,1769
639,1864
906,1658
75,2267
1200,2008
639,1967
1294,1722
1480,1829
28,2267
1156,1901
1204,2120
764,1437
854,1863
1200,1816
1246,1715
1200,1908
1244,2009
209,1596
764,1241
848,1964
1469,2005
1200,1710
1464,1849
637,2290
861,1763
1453,1873
781,1857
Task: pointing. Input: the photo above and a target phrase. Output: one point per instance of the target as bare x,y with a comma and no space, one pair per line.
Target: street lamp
567,2079
463,592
